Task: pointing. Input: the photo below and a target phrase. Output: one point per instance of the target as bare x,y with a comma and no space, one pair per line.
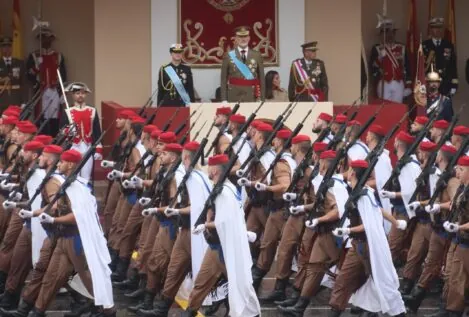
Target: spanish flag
17,48
450,32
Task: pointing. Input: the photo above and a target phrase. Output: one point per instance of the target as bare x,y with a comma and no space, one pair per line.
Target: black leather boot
298,309
441,310
121,270
291,300
9,300
257,276
140,291
146,303
354,310
334,313
406,286
455,313
212,309
36,313
130,283
414,300
147,309
3,280
162,307
189,313
114,258
278,294
22,310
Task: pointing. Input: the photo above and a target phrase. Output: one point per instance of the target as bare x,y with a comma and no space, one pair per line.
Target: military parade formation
207,219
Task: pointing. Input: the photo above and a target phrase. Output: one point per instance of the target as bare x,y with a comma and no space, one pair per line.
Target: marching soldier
321,123
11,76
308,77
175,82
436,101
441,54
242,71
390,66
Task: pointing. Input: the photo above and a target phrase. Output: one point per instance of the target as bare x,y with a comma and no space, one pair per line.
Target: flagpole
385,11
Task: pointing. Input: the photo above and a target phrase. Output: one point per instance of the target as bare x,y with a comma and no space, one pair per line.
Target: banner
450,31
412,37
17,47
206,29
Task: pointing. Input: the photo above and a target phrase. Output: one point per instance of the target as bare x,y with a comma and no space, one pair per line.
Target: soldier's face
46,42
220,120
434,86
79,96
243,41
415,127
309,54
335,127
64,166
436,32
177,57
434,133
120,123
186,159
294,149
159,147
21,137
463,173
456,140
6,50
318,125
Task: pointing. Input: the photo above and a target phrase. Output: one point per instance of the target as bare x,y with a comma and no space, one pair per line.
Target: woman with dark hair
273,91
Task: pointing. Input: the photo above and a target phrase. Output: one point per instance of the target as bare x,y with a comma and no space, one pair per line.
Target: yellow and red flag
420,91
450,32
412,37
17,48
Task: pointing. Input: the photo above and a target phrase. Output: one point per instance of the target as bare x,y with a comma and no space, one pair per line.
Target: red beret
427,146
11,113
353,122
448,149
441,124
192,146
319,146
150,128
10,120
238,118
72,156
33,146
463,160
173,147
126,114
328,154
264,127
377,129
461,130
53,149
255,123
218,159
325,116
283,134
224,110
26,127
359,164
167,137
421,120
300,138
43,138
340,118
14,108
137,119
405,137
156,134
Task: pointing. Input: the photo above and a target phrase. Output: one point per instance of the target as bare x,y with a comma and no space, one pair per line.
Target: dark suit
446,107
443,58
316,72
167,92
11,83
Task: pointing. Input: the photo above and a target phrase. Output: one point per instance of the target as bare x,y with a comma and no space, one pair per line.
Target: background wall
164,20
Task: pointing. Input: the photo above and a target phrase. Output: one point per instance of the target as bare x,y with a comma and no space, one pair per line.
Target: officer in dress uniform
42,68
242,71
434,96
441,54
308,77
175,83
11,76
389,62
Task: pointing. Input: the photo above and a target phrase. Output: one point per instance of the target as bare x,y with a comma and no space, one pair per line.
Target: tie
243,56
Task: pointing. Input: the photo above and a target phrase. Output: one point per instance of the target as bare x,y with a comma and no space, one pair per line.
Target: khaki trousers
124,211
159,260
433,261
288,245
111,206
4,219
130,232
397,237
150,238
272,235
8,244
304,254
458,279
21,263
418,250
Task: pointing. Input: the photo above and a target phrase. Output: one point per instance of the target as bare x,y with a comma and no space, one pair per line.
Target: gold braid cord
6,83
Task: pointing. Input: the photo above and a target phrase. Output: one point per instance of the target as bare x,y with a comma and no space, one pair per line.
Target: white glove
149,211
137,181
25,214
295,210
452,91
289,196
240,173
341,232
451,227
407,92
45,218
311,224
401,224
252,236
435,209
386,194
261,187
171,212
15,196
117,174
97,156
244,182
4,175
414,206
7,186
107,164
128,184
199,229
39,60
144,201
110,176
7,205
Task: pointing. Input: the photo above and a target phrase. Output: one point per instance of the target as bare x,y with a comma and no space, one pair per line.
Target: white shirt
436,42
246,51
7,60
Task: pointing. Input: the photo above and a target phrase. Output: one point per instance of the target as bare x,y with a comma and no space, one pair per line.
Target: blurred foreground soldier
436,101
308,77
175,82
441,54
11,76
242,71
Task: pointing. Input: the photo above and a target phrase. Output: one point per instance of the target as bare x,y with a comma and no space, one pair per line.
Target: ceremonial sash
178,84
391,56
243,68
434,105
305,79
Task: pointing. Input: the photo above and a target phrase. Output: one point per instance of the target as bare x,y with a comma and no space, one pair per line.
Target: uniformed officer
242,71
175,83
308,77
434,96
441,53
11,76
389,63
